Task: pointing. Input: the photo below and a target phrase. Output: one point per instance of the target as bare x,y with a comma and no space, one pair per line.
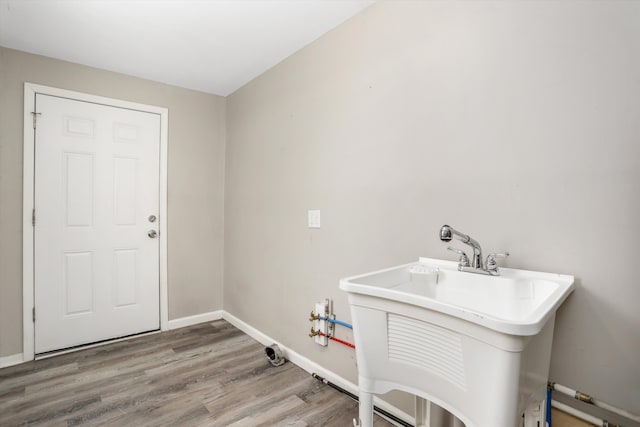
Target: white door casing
99,174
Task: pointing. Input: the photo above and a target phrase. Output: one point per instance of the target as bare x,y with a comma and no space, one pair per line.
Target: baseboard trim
182,322
311,366
14,359
194,320
291,355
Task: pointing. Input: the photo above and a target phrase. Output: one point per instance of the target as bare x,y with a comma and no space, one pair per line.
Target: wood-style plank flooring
561,419
209,374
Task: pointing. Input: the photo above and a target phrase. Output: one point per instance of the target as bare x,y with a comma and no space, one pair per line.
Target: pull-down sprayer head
447,233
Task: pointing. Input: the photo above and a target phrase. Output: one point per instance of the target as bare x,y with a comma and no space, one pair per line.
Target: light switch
314,219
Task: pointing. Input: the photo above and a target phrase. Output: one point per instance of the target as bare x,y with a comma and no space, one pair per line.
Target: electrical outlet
322,309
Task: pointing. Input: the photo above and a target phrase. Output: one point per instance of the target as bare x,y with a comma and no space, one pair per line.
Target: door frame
28,191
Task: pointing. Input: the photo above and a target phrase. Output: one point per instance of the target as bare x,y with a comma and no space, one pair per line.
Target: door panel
96,184
77,280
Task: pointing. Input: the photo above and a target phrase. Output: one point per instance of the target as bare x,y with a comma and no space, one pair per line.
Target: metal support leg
423,412
457,422
429,414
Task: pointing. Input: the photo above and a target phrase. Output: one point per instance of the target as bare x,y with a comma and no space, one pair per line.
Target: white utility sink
477,345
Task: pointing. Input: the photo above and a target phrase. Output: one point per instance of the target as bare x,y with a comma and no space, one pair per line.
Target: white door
96,203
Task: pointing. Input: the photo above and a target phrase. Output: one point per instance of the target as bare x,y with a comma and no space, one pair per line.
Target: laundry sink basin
517,302
477,345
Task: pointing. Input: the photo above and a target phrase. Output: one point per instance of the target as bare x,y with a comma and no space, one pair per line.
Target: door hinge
35,118
34,315
33,217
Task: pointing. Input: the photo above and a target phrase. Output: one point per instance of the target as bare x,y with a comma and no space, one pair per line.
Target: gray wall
195,173
516,122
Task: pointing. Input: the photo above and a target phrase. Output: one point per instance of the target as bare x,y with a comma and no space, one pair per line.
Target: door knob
152,233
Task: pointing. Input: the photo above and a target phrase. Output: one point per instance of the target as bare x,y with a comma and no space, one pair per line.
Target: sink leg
457,422
366,409
423,412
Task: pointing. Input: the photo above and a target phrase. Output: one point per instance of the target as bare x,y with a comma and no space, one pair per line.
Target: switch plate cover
314,219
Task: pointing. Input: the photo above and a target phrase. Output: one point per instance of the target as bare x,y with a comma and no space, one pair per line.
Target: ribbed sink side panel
426,346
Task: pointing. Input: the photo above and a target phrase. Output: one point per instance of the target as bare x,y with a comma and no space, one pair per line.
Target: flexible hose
348,344
337,322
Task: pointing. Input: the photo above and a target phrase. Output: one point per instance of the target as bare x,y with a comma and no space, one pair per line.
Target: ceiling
214,46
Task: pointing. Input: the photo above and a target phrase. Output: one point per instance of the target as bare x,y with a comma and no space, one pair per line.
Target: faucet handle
464,259
491,260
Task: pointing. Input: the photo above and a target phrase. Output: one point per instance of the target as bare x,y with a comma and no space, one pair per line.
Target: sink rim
530,325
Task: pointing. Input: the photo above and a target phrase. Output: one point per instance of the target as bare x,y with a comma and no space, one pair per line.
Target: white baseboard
14,359
311,366
291,355
194,320
171,324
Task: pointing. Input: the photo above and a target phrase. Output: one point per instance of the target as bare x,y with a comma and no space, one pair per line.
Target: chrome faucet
477,265
447,233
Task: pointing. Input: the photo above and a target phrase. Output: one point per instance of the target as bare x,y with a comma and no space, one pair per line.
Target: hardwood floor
209,374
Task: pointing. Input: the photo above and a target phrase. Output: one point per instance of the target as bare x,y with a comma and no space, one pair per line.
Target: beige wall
195,173
516,122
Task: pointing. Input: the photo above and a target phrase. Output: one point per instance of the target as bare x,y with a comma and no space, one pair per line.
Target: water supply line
337,322
579,414
381,412
583,397
548,406
348,344
313,333
314,316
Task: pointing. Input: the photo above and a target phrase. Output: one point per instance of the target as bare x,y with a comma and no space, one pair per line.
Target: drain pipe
274,354
583,397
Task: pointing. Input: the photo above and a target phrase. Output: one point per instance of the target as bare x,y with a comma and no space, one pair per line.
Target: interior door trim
30,91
